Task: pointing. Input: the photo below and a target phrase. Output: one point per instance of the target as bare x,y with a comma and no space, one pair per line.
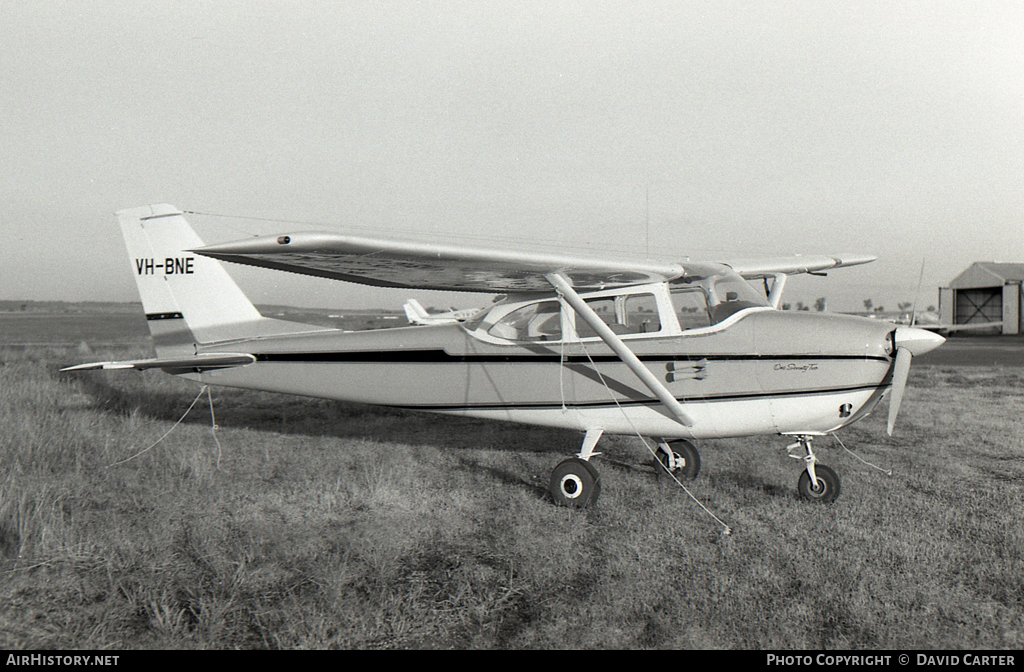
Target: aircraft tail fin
188,299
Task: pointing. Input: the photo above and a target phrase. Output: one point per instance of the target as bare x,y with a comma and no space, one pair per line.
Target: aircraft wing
794,265
197,362
409,265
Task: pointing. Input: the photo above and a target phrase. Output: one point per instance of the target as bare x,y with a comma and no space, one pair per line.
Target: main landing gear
817,482
677,458
575,482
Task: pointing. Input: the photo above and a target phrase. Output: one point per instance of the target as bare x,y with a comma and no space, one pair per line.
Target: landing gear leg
575,482
817,482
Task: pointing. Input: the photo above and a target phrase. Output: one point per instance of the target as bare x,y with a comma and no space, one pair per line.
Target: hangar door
978,306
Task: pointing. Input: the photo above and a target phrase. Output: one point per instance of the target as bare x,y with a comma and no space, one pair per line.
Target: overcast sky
886,128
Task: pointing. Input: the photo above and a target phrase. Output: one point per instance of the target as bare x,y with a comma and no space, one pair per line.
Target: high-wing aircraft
675,351
417,314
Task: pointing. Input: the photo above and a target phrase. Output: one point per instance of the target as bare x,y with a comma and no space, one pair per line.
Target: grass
320,524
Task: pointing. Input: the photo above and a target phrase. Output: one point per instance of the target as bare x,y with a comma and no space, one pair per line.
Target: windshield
703,301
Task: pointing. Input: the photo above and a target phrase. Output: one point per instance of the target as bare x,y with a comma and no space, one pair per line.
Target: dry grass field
316,524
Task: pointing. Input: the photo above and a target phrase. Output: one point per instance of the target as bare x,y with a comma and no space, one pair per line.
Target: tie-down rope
213,429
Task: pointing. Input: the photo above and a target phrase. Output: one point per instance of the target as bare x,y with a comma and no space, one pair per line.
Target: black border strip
440,356
650,401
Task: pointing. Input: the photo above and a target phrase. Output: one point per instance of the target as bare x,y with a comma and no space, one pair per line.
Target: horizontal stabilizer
197,363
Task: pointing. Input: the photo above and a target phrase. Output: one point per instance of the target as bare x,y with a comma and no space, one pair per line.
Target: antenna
913,309
647,221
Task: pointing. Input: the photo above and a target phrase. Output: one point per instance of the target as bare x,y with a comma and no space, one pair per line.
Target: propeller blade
899,383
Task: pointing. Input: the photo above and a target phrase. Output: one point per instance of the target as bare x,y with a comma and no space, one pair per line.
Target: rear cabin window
632,314
534,322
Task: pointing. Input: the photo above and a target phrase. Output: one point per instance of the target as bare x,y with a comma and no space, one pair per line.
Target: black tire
575,483
828,485
686,453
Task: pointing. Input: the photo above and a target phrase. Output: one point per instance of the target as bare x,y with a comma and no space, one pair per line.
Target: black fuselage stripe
650,401
443,357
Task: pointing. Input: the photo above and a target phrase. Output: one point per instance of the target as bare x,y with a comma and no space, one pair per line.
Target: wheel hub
571,486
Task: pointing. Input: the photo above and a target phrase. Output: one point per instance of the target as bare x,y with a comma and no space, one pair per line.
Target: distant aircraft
930,320
673,351
417,314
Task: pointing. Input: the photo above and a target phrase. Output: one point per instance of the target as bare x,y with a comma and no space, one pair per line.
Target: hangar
988,291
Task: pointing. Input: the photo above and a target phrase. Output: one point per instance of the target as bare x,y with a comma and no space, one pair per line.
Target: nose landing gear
817,482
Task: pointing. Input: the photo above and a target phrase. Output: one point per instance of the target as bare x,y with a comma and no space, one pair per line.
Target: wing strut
564,287
778,284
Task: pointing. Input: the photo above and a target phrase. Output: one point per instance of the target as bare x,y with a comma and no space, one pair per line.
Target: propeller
908,341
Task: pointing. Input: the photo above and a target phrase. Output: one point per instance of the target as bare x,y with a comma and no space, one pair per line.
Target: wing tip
853,259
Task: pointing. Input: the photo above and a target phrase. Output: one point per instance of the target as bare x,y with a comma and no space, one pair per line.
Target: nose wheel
817,482
825,490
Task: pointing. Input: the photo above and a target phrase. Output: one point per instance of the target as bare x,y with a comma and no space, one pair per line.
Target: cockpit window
642,314
691,307
533,322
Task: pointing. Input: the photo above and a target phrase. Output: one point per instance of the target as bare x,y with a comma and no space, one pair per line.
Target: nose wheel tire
575,483
827,488
686,457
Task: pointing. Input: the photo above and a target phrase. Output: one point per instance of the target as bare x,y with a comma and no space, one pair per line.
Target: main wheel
827,488
575,483
686,457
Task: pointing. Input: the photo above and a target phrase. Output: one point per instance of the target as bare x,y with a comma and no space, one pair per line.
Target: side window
631,314
534,322
691,307
605,309
642,314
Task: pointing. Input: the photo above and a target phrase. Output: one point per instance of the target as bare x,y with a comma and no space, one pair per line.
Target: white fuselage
760,372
